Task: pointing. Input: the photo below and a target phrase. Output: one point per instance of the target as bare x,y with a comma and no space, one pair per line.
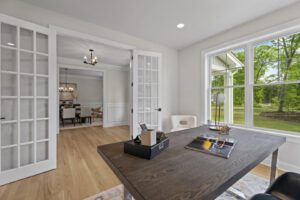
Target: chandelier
92,60
65,87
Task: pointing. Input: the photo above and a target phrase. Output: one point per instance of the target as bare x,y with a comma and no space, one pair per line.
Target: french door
146,91
27,143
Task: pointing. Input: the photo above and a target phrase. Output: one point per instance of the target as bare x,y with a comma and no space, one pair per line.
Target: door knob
2,118
158,109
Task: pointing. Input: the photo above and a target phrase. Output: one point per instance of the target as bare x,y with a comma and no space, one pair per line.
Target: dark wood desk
179,173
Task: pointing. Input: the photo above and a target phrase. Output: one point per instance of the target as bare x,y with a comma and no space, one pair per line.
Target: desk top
179,173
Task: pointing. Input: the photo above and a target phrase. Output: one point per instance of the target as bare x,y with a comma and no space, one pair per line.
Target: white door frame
55,30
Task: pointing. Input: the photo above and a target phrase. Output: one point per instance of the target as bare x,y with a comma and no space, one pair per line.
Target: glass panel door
146,91
24,101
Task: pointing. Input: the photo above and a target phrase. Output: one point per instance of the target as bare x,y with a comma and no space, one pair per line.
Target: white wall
89,89
191,89
117,99
44,17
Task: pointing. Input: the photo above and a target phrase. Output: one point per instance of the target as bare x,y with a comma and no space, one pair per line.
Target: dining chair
86,113
182,122
68,114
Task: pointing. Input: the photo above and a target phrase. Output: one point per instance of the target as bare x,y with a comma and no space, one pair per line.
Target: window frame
248,43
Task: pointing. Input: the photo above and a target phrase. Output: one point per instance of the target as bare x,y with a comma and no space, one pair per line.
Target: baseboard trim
113,124
283,166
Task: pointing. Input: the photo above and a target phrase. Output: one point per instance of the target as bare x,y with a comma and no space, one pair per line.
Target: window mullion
249,70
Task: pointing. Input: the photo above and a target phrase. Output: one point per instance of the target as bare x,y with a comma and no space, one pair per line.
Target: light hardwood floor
80,172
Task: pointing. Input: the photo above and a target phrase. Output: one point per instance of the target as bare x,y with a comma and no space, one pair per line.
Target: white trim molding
117,114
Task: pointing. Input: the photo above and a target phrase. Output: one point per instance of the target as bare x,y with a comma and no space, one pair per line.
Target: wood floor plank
80,172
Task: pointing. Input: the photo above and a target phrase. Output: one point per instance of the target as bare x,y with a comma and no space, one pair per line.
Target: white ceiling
74,48
156,20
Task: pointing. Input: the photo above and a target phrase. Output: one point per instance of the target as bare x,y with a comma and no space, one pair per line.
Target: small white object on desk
148,137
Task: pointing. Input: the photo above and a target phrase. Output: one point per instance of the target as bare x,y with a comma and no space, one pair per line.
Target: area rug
245,188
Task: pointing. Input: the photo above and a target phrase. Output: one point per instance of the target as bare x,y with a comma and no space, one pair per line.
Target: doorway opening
92,94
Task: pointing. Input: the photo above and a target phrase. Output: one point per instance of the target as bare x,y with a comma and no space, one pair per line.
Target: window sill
291,136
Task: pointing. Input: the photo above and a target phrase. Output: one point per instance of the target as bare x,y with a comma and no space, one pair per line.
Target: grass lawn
263,122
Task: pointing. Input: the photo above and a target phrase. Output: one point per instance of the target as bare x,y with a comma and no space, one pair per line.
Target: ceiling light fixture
65,87
180,26
10,44
92,60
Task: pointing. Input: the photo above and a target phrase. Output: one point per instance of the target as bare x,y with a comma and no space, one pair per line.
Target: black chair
286,187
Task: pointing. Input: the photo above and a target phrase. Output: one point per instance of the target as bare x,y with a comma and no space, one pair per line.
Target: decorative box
147,152
148,137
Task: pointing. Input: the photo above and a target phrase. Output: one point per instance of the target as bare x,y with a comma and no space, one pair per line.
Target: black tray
147,152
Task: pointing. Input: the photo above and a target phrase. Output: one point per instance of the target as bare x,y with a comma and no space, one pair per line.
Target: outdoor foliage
275,61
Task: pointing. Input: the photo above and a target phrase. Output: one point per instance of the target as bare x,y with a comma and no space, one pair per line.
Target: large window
271,89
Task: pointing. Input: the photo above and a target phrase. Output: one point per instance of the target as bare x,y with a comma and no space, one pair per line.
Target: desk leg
127,195
273,166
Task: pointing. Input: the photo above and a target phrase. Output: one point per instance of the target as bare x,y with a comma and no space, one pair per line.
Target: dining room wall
89,89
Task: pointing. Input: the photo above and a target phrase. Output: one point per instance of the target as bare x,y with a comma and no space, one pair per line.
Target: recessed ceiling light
10,44
180,25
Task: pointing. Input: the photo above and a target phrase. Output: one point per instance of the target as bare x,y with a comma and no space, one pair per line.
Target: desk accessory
146,152
219,99
213,145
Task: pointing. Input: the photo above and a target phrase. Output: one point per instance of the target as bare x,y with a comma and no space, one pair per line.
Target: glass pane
227,69
26,132
26,85
9,109
147,90
141,117
27,108
266,73
8,84
26,39
26,62
154,116
140,104
9,158
41,65
42,129
41,151
238,105
277,60
42,108
277,107
154,91
42,86
148,63
8,35
141,76
154,103
141,90
27,154
141,61
147,104
148,119
41,43
8,60
147,76
9,134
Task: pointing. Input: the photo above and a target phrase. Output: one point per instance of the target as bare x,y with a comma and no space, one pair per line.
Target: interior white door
26,145
146,91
